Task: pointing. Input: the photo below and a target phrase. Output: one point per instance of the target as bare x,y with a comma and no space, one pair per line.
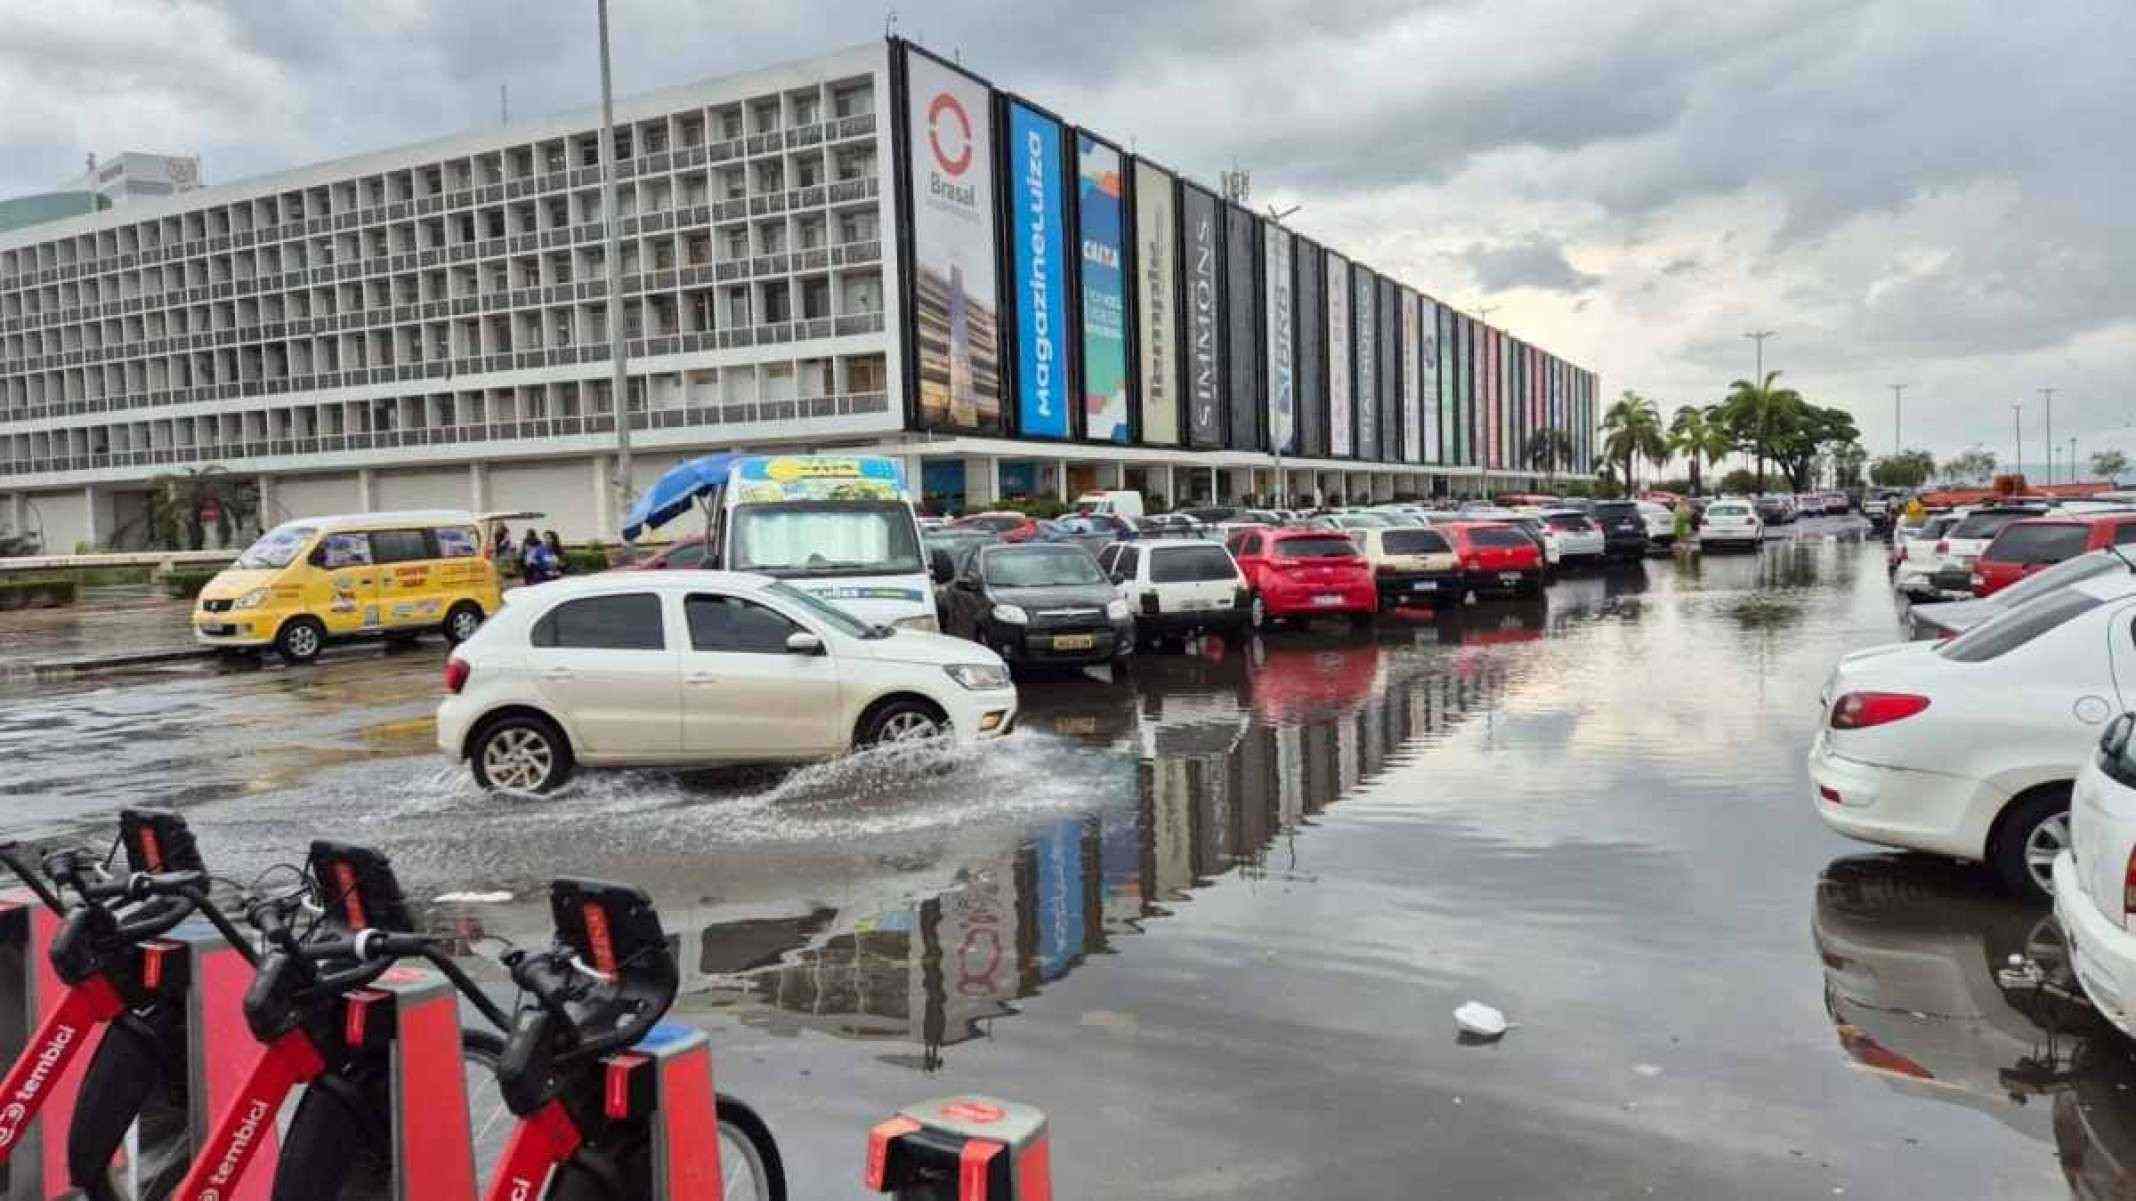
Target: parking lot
1213,914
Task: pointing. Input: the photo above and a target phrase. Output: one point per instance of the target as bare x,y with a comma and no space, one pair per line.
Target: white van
1115,504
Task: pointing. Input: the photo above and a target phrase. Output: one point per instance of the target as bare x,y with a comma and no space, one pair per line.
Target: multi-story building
428,326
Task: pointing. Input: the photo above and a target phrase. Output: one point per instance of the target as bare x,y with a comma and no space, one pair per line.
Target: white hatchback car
1968,747
692,668
2095,880
1731,523
1177,589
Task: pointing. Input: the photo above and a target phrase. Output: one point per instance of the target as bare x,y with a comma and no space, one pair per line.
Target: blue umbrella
676,493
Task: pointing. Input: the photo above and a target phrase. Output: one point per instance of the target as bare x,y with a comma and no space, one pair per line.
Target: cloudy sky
1923,191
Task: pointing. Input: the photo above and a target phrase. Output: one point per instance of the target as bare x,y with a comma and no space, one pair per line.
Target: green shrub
584,560
185,583
36,592
90,577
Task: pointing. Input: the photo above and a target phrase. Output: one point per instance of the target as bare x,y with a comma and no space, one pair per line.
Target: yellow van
308,582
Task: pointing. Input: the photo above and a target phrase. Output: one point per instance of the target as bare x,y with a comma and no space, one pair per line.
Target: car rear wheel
2035,830
521,753
300,640
462,622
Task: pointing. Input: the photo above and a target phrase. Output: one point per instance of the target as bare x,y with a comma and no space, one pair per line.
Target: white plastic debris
473,898
1480,1020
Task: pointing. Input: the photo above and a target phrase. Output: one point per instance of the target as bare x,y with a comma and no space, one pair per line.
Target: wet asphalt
1214,916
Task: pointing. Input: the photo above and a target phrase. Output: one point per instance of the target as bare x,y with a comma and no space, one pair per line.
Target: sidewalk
107,626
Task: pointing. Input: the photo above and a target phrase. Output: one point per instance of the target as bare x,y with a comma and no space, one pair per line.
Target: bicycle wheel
489,1120
749,1165
331,1154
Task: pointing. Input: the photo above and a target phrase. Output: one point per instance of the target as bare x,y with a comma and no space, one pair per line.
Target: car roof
387,520
2112,585
600,582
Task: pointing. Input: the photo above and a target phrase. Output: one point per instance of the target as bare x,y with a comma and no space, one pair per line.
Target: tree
183,505
1754,413
1698,436
1973,466
1550,451
2109,463
1632,428
1847,464
1906,469
1738,482
1802,432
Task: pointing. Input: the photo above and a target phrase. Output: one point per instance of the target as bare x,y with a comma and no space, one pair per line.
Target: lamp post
619,385
2017,436
1898,397
1758,381
2047,414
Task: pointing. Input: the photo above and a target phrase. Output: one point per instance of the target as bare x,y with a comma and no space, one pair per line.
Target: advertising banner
1038,254
1431,324
1457,430
1059,909
1101,229
1390,371
1412,380
1282,382
1340,423
1364,372
1312,327
1491,414
1242,335
1157,304
1200,244
954,262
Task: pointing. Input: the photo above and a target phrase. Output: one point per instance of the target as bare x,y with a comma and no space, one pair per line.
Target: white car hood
919,646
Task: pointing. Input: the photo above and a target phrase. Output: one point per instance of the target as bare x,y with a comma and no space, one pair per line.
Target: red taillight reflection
2128,889
1861,710
456,672
1943,546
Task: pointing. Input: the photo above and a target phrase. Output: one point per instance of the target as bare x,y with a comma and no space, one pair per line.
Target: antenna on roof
890,21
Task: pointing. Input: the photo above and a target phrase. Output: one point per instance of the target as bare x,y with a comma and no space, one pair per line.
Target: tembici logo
233,1156
17,1110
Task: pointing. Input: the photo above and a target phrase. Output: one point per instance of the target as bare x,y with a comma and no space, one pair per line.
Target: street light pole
1898,397
2017,435
611,212
2048,393
1759,336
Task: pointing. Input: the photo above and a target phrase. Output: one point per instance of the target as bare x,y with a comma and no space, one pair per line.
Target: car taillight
1943,546
456,672
1861,710
2128,891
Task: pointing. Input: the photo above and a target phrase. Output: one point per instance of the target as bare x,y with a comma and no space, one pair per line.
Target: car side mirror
940,567
800,642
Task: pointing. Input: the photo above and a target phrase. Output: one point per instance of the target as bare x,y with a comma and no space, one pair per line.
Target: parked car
1775,510
1496,558
2034,544
1624,530
1091,531
1038,604
1178,589
1006,526
1730,523
1413,567
1213,514
2095,876
1942,619
1660,523
1169,525
1919,554
688,668
1296,574
1963,542
1577,538
1968,747
680,555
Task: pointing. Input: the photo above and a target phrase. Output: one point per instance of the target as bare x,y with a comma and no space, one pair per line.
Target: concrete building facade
427,326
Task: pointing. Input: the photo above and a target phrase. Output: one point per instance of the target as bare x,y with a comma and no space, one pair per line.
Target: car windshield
1936,526
1728,510
1571,523
1985,525
2028,543
1414,542
825,538
2013,628
277,547
2061,575
1181,564
1316,548
1040,567
1498,536
1615,509
830,614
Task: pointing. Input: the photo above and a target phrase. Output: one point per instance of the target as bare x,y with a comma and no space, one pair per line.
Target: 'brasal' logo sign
954,152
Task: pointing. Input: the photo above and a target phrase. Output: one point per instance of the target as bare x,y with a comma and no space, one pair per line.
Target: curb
61,667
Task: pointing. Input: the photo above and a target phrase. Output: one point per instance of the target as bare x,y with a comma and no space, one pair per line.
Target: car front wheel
903,721
521,753
300,640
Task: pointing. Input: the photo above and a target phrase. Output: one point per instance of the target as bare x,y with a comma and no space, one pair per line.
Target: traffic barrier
972,1148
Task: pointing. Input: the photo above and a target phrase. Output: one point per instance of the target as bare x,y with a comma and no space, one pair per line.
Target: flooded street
1214,916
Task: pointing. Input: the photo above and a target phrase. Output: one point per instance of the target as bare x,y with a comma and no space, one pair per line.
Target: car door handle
700,677
559,673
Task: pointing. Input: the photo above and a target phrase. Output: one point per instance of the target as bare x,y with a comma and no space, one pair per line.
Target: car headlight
979,676
1116,608
925,621
1012,614
251,600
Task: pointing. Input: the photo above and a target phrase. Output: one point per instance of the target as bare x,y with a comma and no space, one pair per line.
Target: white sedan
690,668
2093,895
1968,747
1731,523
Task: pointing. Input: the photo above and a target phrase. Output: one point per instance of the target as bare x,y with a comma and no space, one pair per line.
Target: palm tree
183,504
1633,427
1549,451
1697,434
1754,411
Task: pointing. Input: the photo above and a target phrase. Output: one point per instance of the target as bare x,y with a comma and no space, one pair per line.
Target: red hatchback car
1496,557
1003,525
1300,574
2037,543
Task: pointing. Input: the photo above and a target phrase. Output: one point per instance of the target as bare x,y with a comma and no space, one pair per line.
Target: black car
1038,603
1774,510
1624,532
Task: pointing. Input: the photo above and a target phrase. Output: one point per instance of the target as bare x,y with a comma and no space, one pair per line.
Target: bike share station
165,1000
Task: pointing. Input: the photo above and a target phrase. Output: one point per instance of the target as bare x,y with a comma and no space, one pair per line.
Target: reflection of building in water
1232,759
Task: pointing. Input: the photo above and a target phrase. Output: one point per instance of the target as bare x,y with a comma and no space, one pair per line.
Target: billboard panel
1281,381
1364,372
1242,333
1390,372
956,312
1412,380
1312,326
1431,331
1157,304
1340,423
1200,244
1101,229
1038,258
1457,430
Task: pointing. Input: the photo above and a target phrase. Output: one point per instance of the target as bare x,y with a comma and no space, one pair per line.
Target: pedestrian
527,543
501,546
556,549
538,563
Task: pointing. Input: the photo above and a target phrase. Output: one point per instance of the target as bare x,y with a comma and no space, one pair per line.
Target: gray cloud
1534,262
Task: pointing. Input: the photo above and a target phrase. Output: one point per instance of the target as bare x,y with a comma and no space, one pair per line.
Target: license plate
1327,600
1074,642
1189,606
217,631
1509,577
1424,586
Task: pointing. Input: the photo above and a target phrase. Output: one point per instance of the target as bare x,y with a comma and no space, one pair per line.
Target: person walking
555,546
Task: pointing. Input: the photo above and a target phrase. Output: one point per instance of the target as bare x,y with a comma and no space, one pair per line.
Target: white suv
1178,588
690,668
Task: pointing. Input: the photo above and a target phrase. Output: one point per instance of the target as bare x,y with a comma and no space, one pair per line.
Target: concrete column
604,515
18,513
92,529
1060,481
982,482
1114,476
1171,485
366,490
478,487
